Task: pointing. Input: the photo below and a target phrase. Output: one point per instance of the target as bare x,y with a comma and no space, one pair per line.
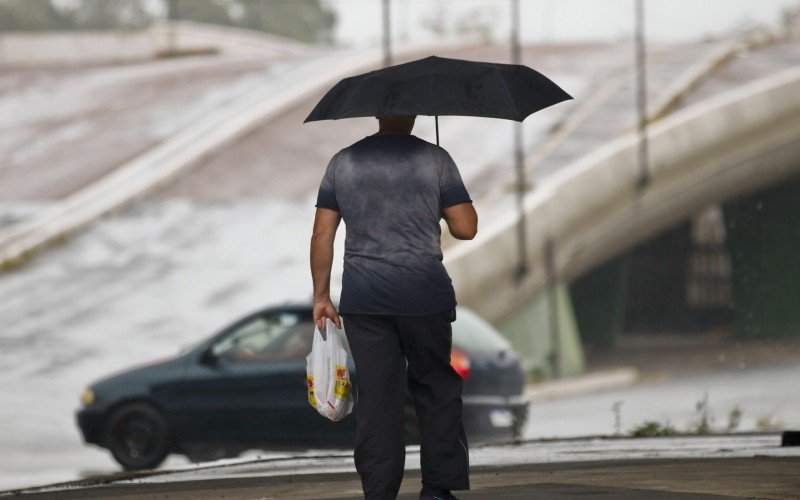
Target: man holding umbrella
392,189
398,303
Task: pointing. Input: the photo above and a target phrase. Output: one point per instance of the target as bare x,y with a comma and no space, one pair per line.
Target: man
392,189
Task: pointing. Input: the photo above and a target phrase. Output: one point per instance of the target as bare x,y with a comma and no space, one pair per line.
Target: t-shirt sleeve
453,190
326,197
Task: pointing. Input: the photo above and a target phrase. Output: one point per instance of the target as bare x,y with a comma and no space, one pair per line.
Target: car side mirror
208,358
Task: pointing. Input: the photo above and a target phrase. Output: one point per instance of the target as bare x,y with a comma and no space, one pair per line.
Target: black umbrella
436,86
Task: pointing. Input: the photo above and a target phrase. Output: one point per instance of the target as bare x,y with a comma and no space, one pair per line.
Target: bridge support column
531,331
764,243
599,298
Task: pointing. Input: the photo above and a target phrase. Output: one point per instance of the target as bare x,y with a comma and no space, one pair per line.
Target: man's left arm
326,221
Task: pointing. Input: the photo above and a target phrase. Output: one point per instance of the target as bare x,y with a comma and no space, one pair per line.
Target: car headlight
87,397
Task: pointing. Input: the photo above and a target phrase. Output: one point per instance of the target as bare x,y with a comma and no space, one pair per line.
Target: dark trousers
380,346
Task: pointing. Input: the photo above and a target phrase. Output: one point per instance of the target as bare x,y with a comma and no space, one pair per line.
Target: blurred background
637,245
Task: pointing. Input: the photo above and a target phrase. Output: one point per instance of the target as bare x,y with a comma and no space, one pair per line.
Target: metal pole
547,17
519,160
641,95
551,275
387,35
436,117
173,13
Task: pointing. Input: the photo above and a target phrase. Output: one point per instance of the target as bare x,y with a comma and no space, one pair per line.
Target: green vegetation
702,424
734,418
11,263
768,423
305,20
55,15
650,428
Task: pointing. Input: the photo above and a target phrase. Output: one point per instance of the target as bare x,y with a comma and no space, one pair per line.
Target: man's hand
325,309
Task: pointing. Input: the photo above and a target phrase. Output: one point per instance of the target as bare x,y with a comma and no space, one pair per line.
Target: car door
296,422
251,381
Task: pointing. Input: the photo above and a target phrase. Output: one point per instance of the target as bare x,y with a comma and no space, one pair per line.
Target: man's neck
391,132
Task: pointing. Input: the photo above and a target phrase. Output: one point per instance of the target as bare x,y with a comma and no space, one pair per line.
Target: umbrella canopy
436,86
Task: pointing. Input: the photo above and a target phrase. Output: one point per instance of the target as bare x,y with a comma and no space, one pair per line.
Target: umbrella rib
510,97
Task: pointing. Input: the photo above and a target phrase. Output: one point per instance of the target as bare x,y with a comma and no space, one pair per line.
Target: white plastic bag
327,378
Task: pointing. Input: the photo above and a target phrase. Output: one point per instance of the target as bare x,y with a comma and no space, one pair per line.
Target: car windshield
472,332
268,337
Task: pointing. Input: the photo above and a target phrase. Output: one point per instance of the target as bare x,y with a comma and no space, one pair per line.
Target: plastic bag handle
324,334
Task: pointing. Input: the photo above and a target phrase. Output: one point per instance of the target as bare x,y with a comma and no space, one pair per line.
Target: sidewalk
594,380
719,466
658,355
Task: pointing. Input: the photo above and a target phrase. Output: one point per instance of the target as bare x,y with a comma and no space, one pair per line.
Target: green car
245,388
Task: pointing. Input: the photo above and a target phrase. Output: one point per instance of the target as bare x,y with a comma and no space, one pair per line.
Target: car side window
272,337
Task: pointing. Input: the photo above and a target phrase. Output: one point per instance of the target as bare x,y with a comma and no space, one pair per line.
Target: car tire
137,435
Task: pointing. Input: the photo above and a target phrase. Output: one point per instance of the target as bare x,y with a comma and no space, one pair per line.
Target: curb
582,384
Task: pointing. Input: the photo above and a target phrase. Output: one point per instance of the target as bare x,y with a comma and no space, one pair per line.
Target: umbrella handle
436,117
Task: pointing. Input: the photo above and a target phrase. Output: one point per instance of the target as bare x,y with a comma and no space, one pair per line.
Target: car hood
138,379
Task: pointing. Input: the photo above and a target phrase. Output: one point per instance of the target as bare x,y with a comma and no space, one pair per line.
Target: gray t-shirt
390,191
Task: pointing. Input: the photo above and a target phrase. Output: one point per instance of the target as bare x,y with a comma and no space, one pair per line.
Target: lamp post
519,159
173,13
387,34
641,95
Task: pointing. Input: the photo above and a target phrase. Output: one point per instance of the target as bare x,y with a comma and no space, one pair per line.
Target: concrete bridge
591,222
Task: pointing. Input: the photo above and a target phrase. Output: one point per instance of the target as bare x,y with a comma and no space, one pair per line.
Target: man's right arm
457,209
326,221
462,220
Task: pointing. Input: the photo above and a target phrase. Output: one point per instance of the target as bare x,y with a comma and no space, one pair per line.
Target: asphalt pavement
729,466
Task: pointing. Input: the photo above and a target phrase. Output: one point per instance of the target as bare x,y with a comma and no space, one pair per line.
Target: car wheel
137,436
